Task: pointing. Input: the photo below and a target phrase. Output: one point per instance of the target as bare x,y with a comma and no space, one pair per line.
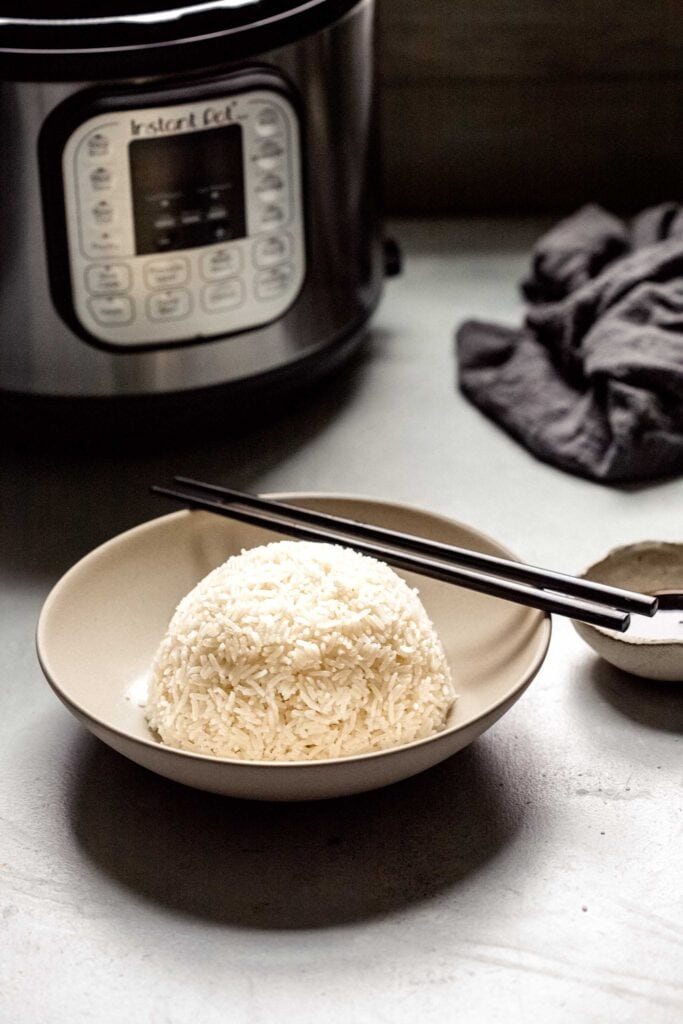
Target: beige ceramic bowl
651,567
103,621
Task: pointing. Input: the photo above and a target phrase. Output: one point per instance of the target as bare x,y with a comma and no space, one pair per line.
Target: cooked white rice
297,651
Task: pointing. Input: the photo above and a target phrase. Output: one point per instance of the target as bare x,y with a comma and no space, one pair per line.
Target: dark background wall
530,106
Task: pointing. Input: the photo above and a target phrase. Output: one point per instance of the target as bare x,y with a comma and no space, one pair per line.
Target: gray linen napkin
593,382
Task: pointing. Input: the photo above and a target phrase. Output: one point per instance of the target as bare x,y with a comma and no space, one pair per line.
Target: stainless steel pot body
332,73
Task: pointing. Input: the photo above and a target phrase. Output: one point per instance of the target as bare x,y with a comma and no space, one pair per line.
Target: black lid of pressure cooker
144,37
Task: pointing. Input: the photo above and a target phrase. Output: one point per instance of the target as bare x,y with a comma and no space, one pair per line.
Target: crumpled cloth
593,381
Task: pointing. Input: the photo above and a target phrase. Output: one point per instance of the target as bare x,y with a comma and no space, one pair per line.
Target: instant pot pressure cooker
187,192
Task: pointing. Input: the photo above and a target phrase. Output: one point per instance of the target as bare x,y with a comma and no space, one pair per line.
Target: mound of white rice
298,651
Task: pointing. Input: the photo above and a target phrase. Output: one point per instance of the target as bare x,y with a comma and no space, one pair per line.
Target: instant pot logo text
167,124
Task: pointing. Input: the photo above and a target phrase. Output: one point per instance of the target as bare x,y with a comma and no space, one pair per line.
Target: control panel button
269,187
166,273
103,212
220,263
112,310
107,278
98,146
273,282
169,305
267,163
267,121
272,215
274,249
101,178
267,155
103,243
270,147
223,295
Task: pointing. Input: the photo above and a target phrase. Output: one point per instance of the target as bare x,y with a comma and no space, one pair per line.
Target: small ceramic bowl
103,621
651,648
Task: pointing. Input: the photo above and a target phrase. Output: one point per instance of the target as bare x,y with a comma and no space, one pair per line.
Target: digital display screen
188,189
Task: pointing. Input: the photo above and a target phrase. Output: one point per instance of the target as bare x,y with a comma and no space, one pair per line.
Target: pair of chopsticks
549,591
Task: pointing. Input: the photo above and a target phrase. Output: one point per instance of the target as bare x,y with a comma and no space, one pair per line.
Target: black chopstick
279,518
546,579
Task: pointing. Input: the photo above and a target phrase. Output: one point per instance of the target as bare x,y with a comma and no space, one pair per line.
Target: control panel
185,221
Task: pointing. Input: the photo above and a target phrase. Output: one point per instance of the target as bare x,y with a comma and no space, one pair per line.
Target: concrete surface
534,876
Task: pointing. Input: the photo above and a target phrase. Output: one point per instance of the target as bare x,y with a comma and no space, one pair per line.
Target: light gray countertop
534,876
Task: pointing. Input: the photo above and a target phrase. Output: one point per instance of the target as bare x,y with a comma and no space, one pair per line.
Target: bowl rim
545,623
611,634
